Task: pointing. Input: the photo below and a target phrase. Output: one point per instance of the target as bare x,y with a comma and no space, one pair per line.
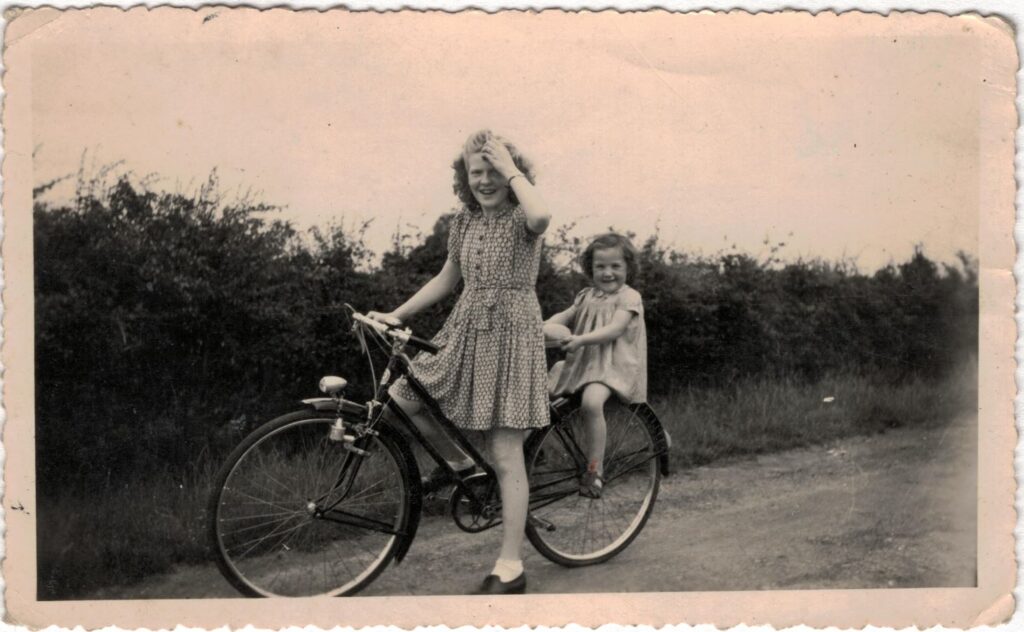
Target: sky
851,136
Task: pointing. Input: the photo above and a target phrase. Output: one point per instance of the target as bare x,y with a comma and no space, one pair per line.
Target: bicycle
319,501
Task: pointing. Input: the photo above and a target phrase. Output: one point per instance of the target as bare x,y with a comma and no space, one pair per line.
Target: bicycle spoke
258,500
589,530
275,532
259,525
290,491
271,543
250,516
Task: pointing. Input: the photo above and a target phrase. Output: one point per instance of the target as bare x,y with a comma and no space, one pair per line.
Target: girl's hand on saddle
388,319
572,343
498,155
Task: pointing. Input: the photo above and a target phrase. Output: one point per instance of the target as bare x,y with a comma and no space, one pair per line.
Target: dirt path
896,509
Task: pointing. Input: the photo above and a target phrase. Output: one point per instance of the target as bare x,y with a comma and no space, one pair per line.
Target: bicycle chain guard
466,513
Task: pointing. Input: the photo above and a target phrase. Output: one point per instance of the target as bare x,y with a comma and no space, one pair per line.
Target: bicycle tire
574,531
267,540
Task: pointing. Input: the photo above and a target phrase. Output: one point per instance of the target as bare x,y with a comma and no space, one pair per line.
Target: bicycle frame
400,366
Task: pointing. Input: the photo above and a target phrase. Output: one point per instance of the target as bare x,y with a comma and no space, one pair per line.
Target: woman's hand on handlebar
388,319
398,334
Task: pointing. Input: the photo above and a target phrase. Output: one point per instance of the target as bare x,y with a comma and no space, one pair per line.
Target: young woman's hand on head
498,155
537,215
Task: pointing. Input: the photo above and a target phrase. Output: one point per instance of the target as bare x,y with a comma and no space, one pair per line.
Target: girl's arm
433,291
608,333
537,215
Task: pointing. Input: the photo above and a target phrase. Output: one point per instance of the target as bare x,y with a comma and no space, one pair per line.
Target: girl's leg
445,446
594,397
510,466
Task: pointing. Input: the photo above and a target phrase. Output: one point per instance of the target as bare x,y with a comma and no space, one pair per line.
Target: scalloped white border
1007,9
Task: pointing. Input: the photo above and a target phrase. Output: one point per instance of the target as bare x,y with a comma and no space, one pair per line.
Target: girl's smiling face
609,270
489,187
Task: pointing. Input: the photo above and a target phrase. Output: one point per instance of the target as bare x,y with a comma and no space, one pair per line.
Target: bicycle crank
468,512
540,523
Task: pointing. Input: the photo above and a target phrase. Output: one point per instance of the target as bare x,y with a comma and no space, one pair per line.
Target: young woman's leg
445,446
594,397
510,466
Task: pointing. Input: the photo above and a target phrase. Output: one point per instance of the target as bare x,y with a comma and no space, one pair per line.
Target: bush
166,324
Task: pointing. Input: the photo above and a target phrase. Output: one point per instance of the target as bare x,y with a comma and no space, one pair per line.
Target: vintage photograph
464,305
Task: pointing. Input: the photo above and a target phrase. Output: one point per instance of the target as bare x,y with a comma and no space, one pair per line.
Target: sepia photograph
517,317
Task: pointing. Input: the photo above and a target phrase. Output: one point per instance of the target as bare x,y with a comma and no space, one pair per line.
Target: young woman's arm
433,291
564,317
608,333
537,215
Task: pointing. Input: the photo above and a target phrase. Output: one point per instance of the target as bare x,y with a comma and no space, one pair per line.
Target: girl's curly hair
474,144
612,240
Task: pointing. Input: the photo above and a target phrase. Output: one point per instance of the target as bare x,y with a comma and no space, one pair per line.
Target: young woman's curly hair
612,240
474,144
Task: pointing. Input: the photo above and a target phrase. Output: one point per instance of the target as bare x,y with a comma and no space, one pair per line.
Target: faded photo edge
990,602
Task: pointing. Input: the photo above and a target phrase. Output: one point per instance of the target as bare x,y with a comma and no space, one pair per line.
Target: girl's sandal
591,485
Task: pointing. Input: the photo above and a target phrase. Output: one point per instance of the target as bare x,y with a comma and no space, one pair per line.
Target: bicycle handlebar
404,335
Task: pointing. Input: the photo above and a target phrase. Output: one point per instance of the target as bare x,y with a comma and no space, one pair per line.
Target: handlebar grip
414,341
366,320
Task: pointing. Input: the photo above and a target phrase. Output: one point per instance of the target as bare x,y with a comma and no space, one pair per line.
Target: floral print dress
491,370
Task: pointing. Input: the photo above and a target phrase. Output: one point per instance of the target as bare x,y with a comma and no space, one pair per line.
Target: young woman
490,373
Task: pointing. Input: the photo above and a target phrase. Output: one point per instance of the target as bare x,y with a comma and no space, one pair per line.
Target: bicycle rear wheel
572,530
294,513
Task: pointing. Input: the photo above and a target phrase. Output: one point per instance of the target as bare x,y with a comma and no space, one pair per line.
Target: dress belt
483,299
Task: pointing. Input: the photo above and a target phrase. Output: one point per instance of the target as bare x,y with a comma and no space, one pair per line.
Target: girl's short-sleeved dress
621,365
491,370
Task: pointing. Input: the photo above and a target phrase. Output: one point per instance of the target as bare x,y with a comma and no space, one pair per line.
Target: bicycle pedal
541,523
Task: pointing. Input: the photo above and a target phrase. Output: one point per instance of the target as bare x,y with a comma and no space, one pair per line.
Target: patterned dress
621,364
491,370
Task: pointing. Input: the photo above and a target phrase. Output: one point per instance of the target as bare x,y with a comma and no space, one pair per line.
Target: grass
759,416
120,534
140,527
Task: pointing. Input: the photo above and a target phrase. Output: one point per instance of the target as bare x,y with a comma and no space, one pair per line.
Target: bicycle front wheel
295,514
570,529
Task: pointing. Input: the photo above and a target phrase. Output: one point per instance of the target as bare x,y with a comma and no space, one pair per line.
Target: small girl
607,350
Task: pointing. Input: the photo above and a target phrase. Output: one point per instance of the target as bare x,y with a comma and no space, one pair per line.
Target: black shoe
440,478
493,585
591,485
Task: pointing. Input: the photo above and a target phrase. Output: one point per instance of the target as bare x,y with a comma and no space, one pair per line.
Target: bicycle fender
647,413
328,404
416,509
415,493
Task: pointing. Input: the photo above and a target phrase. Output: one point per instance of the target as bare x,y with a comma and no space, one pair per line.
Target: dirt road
889,510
